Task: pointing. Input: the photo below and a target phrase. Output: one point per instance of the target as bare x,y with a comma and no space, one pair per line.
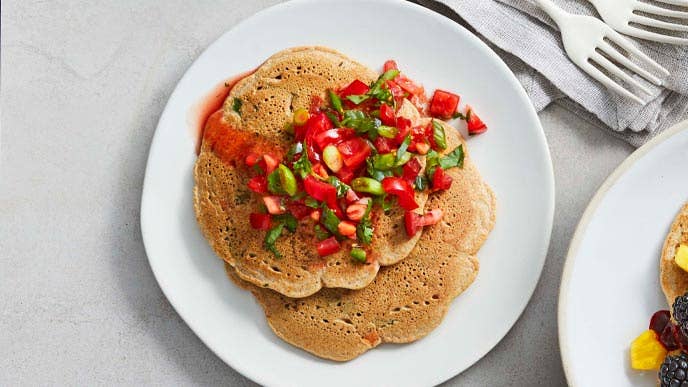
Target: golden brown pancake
673,279
405,301
284,83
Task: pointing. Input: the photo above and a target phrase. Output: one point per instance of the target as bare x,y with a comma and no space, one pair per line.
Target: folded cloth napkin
530,44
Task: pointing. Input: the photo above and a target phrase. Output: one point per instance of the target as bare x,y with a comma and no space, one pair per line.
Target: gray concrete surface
83,84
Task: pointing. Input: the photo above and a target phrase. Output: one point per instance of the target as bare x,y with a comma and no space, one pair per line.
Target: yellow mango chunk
647,353
681,257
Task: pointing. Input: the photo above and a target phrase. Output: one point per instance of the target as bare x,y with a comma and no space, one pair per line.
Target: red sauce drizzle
200,112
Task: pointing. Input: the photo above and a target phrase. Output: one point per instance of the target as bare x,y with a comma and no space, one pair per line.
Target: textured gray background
83,85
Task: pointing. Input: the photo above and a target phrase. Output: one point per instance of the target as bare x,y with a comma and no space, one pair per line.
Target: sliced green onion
387,131
384,162
336,101
358,254
332,158
368,185
287,180
301,116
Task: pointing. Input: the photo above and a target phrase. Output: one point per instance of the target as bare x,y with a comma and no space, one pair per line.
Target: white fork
584,35
619,14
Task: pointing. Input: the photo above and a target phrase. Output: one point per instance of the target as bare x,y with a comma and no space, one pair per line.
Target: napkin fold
530,44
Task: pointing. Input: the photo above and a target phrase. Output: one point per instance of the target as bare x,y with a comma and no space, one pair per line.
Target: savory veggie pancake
673,278
256,119
405,301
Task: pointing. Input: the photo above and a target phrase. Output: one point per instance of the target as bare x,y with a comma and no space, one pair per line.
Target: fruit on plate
681,257
647,353
674,371
680,309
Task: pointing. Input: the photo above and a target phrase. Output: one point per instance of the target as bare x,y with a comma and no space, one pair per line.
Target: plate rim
582,226
539,136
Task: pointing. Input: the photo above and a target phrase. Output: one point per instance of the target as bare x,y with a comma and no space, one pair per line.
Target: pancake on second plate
404,302
673,279
254,117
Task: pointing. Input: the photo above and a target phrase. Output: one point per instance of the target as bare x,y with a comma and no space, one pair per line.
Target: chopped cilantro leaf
358,120
336,101
236,105
312,203
341,187
364,229
294,150
288,220
271,237
302,166
274,184
459,116
333,117
329,220
438,135
421,183
453,159
320,233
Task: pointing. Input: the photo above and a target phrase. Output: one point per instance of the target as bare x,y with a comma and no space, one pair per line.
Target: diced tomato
333,136
351,196
422,148
412,223
316,103
258,184
354,152
271,163
397,92
323,192
346,175
443,104
408,85
260,221
355,88
387,115
410,170
404,127
299,210
390,65
356,211
384,144
475,124
253,159
319,190
440,180
328,246
317,123
320,170
402,190
431,217
346,228
315,215
274,205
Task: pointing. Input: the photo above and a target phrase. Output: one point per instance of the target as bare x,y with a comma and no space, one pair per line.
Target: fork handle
554,11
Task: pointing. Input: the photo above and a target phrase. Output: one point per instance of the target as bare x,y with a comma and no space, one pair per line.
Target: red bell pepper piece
354,88
323,192
404,128
354,152
260,221
402,190
328,246
258,184
253,159
346,175
443,104
384,144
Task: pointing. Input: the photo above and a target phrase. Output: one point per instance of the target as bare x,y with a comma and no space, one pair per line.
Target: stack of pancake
334,307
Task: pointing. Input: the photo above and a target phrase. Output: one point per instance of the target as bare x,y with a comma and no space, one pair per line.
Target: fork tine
648,21
612,68
649,35
655,10
628,46
675,2
624,61
606,81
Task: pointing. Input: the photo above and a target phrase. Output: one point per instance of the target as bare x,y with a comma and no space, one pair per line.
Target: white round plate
512,156
610,286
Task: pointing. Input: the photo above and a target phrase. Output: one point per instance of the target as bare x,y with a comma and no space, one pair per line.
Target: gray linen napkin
529,43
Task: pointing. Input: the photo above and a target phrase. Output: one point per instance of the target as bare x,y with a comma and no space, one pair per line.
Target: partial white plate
610,286
513,157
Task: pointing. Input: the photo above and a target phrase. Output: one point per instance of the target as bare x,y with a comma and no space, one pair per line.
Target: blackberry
674,371
680,308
